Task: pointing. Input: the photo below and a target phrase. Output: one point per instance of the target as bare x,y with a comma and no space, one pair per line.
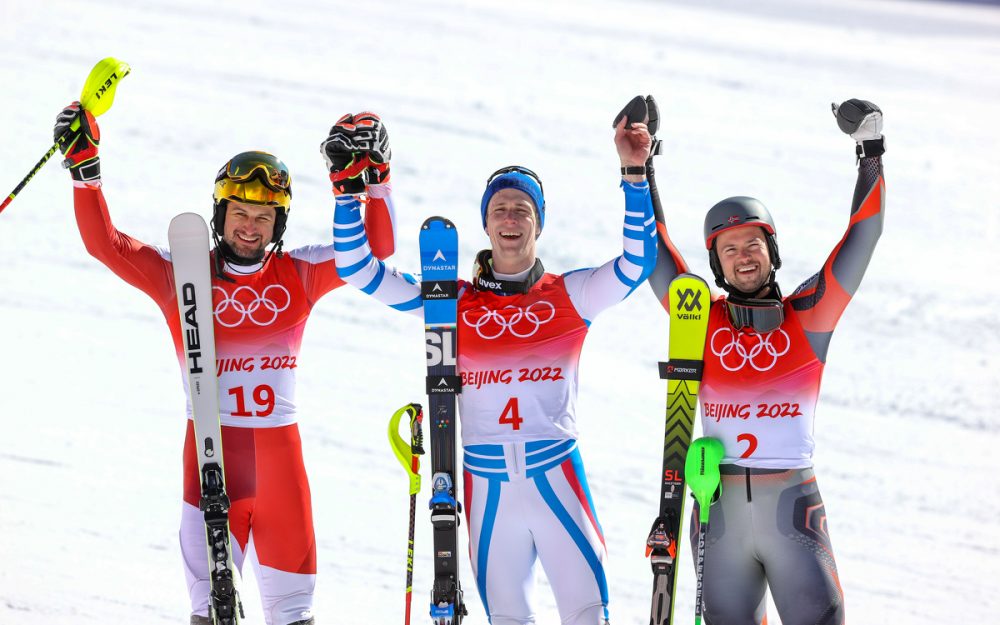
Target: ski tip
187,218
437,223
188,225
689,276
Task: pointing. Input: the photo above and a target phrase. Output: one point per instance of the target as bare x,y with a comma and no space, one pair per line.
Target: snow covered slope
90,393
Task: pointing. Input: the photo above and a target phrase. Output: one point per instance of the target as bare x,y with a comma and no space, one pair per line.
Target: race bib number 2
751,444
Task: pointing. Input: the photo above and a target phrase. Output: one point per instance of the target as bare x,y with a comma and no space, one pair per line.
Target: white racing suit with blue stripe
525,490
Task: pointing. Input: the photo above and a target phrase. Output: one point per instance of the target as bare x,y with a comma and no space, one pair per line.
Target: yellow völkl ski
689,300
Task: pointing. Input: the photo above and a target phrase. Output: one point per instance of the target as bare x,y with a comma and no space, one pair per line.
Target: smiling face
512,225
743,255
249,228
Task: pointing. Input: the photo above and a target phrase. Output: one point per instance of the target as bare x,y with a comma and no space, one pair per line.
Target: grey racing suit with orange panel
758,396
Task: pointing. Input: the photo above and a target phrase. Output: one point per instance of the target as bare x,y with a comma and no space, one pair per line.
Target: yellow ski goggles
255,178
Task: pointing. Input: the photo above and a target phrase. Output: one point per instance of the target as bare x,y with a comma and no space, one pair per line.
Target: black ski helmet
734,212
255,178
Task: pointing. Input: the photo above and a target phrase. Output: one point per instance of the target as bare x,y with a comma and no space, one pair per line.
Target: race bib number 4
511,415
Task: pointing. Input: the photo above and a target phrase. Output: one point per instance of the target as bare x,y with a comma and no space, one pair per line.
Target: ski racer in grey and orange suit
261,301
764,358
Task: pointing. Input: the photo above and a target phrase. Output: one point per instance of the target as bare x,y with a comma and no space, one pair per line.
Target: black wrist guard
86,171
874,147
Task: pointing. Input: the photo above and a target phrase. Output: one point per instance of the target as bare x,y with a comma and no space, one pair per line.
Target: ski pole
653,113
702,471
97,96
408,454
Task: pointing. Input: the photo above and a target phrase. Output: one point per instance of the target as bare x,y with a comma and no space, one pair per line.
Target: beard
245,256
756,285
750,283
250,255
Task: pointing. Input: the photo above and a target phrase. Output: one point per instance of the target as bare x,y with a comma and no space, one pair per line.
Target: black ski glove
862,120
373,138
357,153
80,145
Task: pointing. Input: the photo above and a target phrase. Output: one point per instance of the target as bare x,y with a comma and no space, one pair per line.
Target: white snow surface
90,392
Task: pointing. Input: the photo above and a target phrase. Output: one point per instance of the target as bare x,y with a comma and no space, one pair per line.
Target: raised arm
362,269
143,266
820,300
357,154
316,264
669,262
593,290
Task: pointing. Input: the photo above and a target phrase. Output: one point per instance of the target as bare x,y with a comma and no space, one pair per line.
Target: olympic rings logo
763,356
522,323
244,303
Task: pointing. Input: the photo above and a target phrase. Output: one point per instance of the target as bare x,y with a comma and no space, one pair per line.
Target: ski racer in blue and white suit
520,332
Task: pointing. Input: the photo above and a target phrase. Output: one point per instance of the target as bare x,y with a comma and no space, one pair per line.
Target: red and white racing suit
260,316
758,396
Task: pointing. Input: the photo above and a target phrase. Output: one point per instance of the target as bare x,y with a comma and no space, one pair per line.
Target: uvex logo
689,300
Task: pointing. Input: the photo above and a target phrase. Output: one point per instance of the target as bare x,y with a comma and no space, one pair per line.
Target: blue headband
521,182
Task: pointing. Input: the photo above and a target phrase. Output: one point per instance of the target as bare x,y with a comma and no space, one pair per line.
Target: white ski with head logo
189,252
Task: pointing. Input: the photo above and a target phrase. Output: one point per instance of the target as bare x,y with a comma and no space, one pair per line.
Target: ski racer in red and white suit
520,332
764,359
261,309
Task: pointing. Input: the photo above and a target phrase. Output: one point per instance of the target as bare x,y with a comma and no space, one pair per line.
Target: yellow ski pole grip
97,96
404,449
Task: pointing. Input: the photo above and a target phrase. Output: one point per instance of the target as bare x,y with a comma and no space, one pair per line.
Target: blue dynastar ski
439,287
